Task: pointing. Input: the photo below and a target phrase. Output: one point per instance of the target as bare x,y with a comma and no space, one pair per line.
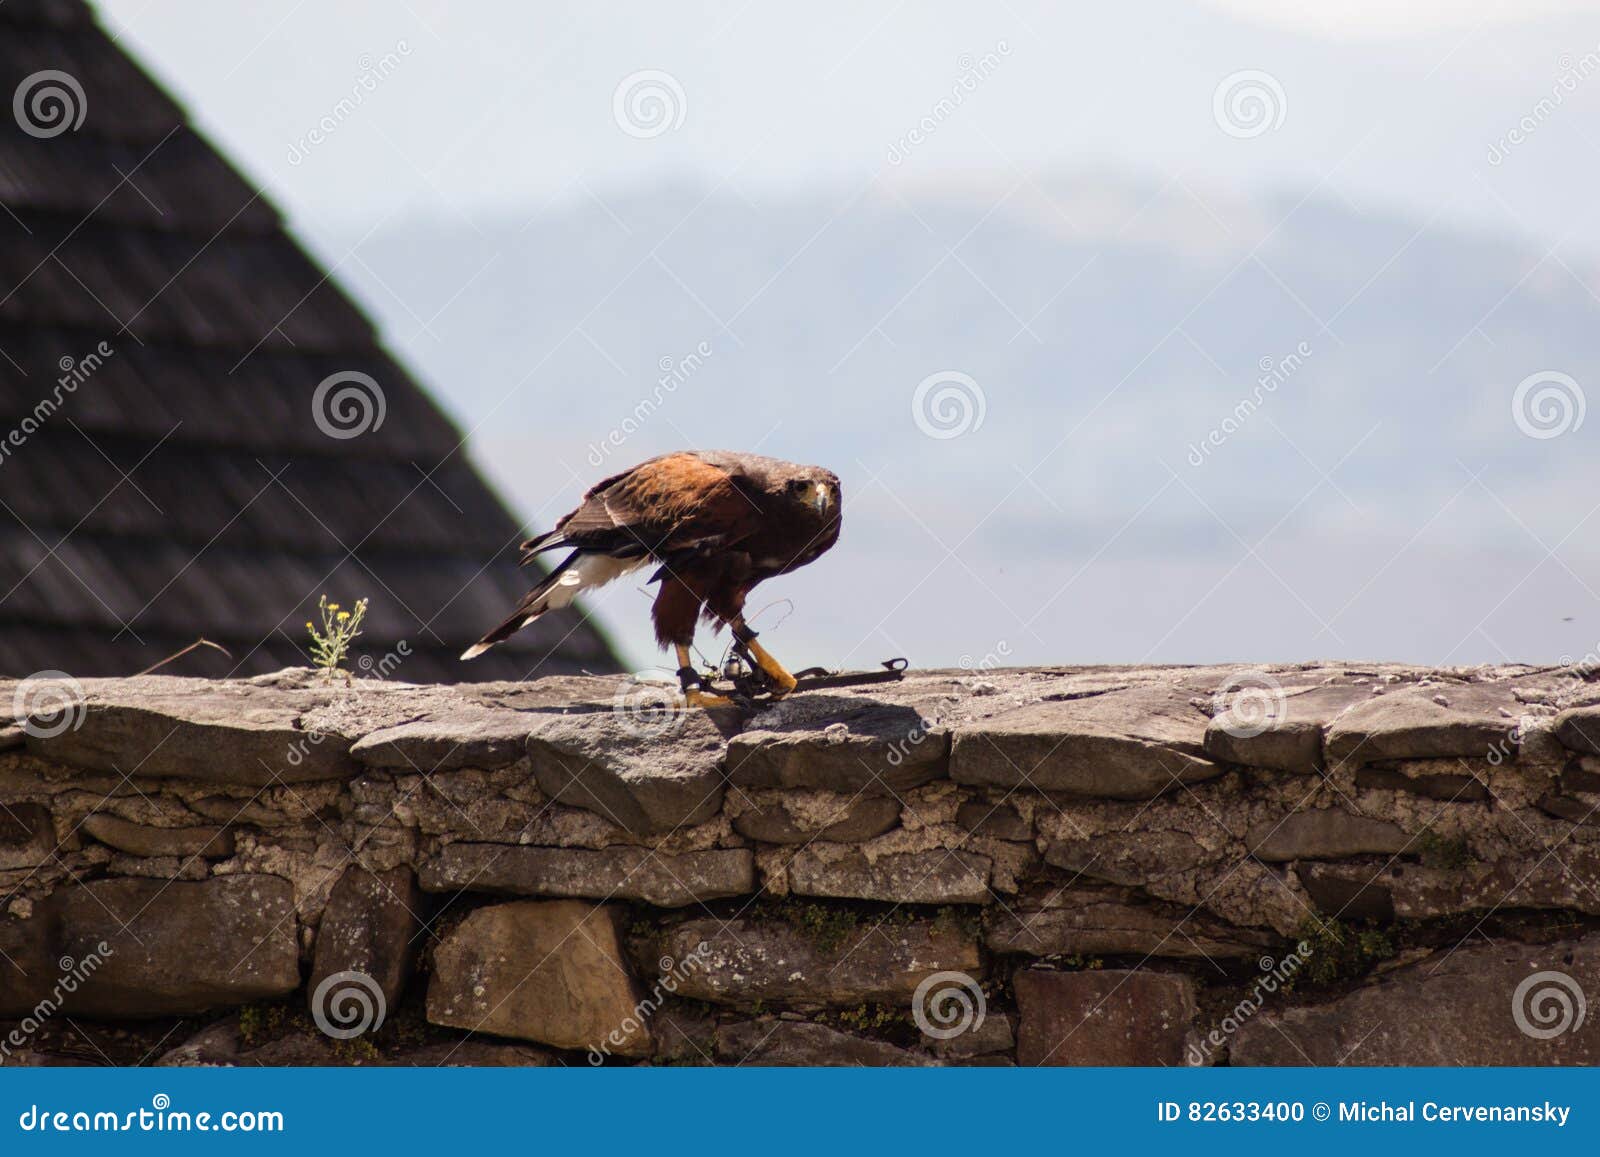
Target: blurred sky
501,105
1451,144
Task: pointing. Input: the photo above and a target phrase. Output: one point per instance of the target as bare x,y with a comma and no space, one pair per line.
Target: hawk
713,523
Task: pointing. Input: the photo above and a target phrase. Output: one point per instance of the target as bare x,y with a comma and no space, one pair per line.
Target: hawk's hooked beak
821,499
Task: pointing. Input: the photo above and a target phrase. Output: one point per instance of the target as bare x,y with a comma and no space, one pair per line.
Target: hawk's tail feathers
578,572
533,547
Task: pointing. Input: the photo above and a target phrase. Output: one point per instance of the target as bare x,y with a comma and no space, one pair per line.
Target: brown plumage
713,523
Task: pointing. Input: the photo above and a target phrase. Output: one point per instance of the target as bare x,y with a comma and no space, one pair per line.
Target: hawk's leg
693,683
782,681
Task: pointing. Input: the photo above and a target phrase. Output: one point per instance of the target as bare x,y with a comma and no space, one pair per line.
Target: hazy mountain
1344,380
503,103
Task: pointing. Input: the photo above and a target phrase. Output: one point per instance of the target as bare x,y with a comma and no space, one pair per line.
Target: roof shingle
163,474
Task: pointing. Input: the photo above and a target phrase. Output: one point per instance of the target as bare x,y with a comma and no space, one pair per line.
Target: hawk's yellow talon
783,682
695,697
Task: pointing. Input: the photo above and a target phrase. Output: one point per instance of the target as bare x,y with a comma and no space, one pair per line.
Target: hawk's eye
797,486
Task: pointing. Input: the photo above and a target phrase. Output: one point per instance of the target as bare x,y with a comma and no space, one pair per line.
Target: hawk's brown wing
665,506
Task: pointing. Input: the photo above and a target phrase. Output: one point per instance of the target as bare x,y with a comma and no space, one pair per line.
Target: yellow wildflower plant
330,643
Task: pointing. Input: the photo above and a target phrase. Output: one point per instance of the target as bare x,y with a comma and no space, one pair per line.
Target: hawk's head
814,488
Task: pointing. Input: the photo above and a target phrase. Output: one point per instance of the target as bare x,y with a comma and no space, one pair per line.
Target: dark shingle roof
180,485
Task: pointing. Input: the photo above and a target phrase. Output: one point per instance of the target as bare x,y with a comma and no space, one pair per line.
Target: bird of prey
713,523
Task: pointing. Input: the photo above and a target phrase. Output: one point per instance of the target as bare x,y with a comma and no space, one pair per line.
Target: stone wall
1108,865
